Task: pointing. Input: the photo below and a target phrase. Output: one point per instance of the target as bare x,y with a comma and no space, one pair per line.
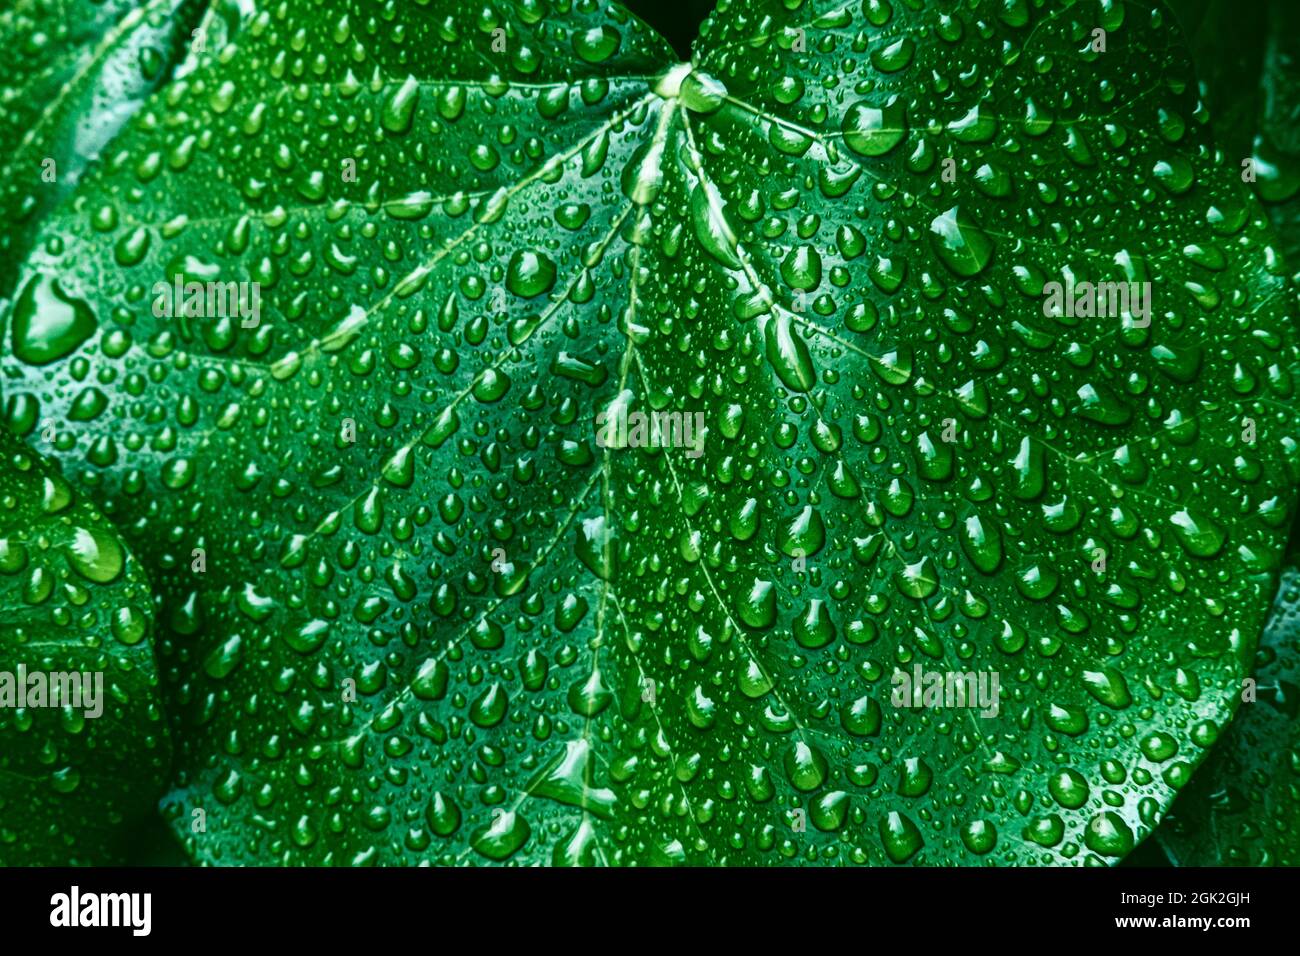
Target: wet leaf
75,71
84,748
1243,806
433,587
1247,57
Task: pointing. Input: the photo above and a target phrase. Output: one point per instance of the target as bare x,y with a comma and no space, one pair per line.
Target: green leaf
424,602
75,71
84,750
1243,805
1246,56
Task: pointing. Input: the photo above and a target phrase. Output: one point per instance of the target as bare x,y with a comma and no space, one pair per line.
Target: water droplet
48,324
873,130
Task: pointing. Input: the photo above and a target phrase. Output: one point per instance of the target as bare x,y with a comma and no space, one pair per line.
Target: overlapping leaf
1243,806
84,749
1247,56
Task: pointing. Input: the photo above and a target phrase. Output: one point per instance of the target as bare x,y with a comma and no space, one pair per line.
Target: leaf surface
1243,806
423,604
75,72
1248,58
84,749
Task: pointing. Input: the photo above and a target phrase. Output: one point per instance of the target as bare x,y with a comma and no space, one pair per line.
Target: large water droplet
960,243
872,130
48,324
